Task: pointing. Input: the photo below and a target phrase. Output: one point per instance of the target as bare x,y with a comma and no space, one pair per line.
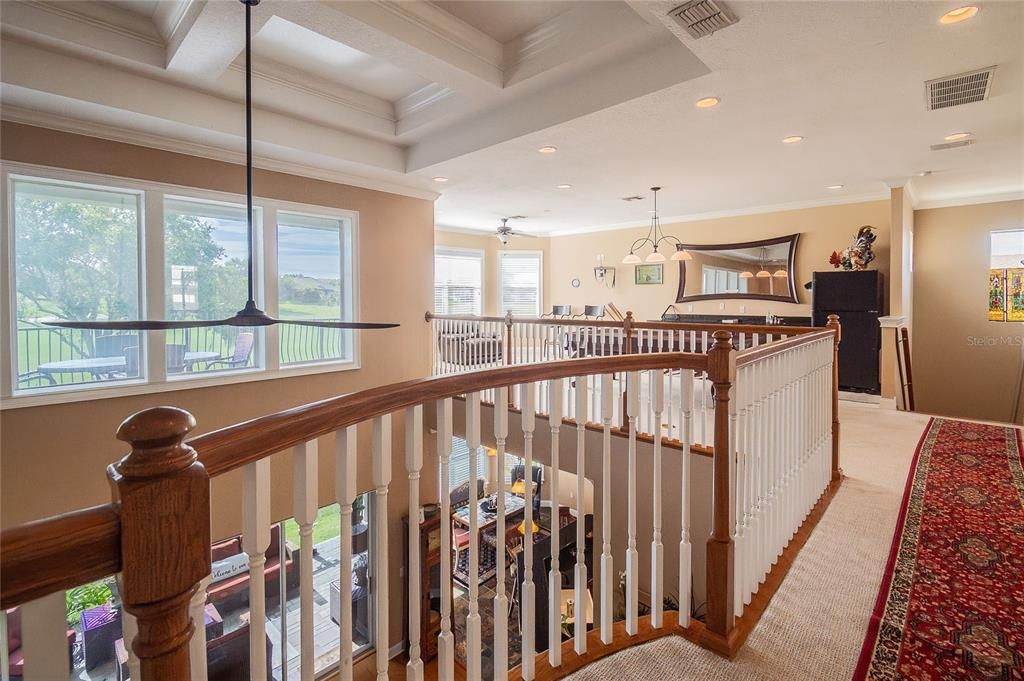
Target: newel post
720,549
164,497
508,338
833,323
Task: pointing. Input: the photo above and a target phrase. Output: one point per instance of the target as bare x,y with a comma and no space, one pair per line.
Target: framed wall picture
650,274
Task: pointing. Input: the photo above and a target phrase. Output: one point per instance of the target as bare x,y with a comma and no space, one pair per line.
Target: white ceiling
391,95
304,49
504,21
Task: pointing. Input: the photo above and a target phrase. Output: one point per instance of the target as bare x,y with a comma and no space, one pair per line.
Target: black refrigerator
857,298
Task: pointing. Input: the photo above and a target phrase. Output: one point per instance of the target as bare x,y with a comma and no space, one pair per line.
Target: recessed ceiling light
565,186
959,14
792,139
707,102
548,149
834,186
440,179
957,136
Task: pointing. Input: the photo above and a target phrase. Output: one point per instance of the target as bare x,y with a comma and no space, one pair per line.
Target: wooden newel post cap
833,323
157,438
723,339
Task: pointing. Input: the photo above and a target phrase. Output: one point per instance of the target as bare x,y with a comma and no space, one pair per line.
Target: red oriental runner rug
951,605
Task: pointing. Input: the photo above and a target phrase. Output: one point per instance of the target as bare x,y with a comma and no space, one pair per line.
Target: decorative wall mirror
756,270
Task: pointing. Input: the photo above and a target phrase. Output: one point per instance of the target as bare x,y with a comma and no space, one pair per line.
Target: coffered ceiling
391,95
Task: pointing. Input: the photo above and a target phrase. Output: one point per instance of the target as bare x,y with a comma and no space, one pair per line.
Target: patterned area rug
951,604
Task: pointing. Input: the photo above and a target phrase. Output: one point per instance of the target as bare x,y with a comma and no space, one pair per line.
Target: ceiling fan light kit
250,315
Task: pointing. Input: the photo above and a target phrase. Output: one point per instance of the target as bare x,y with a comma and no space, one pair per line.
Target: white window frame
153,370
460,250
540,277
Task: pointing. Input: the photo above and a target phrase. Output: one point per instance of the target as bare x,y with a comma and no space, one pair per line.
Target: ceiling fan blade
139,325
528,236
337,324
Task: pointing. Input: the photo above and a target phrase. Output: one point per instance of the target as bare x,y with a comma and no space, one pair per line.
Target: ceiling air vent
952,145
962,88
702,17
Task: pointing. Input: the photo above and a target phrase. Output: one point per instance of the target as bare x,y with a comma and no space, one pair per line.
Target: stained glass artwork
1015,295
997,295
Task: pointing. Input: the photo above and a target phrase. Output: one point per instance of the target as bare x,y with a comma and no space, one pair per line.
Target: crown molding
971,200
714,215
451,229
215,153
64,10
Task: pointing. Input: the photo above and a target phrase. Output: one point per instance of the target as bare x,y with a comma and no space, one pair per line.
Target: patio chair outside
241,354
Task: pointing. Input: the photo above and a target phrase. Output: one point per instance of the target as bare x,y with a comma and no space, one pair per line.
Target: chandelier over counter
655,238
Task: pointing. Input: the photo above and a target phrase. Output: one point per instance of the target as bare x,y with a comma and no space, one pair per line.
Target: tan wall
963,364
491,247
822,230
53,457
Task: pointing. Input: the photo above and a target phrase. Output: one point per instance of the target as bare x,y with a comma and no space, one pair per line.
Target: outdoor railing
775,451
38,344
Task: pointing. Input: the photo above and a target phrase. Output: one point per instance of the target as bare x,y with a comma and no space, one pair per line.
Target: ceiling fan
504,231
250,315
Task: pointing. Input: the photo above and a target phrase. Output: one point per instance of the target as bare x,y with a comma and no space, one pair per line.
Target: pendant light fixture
655,237
250,315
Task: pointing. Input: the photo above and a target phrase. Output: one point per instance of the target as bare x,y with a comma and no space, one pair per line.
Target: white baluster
306,505
527,600
607,563
445,640
44,642
197,644
685,551
346,454
580,595
413,464
657,550
381,480
5,668
500,598
474,644
555,390
632,558
255,540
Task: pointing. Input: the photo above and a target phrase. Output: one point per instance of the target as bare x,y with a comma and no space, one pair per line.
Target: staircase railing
775,455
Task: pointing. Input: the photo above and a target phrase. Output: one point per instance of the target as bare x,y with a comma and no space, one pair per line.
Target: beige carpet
814,627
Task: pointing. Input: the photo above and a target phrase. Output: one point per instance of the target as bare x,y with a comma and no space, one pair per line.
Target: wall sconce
604,275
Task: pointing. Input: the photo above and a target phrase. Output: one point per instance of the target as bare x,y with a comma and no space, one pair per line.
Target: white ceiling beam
627,74
90,26
210,35
567,37
38,79
412,35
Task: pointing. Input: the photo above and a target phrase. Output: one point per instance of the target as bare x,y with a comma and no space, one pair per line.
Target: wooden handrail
235,446
53,554
600,323
756,354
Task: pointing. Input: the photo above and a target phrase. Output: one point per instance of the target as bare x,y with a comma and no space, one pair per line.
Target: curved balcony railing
775,461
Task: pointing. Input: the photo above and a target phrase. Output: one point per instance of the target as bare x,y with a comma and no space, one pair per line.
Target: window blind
458,282
520,283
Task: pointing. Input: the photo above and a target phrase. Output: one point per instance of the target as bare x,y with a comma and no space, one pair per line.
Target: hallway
823,606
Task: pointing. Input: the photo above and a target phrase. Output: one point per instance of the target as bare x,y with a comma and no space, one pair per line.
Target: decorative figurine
857,255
